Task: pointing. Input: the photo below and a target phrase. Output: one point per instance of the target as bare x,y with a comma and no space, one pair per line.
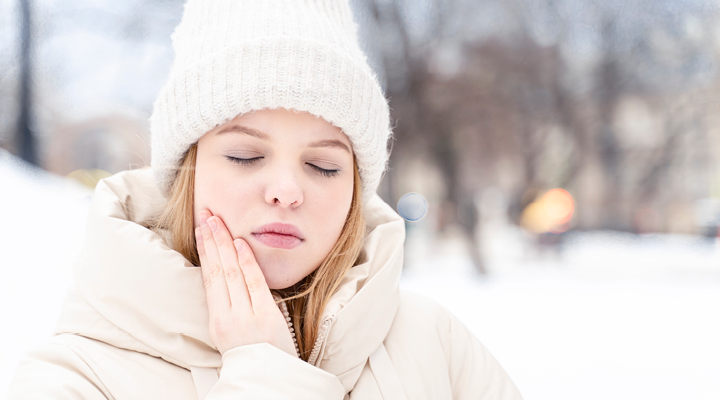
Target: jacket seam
106,391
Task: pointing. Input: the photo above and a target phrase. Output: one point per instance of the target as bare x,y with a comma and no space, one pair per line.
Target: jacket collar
133,291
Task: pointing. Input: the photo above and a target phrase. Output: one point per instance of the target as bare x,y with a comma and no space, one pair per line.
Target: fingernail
213,224
238,245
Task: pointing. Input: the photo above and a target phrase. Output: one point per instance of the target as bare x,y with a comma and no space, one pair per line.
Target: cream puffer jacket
135,326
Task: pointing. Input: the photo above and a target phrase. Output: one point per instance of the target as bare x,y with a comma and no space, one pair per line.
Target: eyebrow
245,130
330,143
262,135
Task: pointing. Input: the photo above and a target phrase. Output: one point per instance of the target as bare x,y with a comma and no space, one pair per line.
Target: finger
200,248
257,287
239,298
213,277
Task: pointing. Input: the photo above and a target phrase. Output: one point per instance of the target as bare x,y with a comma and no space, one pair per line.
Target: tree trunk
26,141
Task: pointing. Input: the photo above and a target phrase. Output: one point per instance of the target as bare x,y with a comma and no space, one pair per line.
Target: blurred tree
529,95
424,128
25,136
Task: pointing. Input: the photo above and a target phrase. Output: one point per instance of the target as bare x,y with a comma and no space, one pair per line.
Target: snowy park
494,106
609,315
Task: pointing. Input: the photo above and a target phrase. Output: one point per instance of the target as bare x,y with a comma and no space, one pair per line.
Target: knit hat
236,56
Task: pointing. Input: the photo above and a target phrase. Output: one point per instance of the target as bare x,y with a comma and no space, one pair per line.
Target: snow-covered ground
610,315
42,220
561,335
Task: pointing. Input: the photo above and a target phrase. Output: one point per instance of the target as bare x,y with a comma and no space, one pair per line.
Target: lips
278,235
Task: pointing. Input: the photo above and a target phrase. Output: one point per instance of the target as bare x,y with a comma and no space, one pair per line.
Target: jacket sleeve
262,371
474,372
53,371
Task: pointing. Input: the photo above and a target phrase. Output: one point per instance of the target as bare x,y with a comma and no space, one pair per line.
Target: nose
283,189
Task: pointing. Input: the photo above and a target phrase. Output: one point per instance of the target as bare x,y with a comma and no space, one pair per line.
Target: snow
43,219
562,337
608,315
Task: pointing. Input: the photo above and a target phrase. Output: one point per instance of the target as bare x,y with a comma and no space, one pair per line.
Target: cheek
219,191
331,213
206,188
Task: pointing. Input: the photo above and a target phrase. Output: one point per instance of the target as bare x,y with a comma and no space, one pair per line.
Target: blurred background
569,151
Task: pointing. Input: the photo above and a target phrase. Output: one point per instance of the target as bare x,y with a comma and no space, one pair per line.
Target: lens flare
412,206
88,177
550,213
558,205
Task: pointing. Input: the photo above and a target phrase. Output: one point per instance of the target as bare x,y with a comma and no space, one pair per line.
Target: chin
279,282
278,271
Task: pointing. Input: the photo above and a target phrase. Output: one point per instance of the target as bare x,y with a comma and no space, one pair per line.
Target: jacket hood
134,292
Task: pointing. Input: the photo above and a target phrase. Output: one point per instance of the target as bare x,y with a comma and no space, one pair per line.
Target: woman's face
282,181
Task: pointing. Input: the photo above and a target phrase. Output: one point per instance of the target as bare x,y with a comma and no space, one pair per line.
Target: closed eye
324,172
249,161
243,161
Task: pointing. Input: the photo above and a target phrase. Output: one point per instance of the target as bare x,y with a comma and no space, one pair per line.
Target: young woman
268,142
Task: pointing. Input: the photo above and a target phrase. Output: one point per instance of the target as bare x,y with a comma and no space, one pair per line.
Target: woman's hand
242,311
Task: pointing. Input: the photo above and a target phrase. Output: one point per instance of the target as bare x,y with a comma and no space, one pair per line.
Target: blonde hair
307,299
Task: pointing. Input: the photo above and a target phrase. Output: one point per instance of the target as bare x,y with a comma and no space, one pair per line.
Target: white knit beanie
236,56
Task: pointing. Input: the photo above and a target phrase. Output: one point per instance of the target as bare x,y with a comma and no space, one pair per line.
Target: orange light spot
558,205
550,213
